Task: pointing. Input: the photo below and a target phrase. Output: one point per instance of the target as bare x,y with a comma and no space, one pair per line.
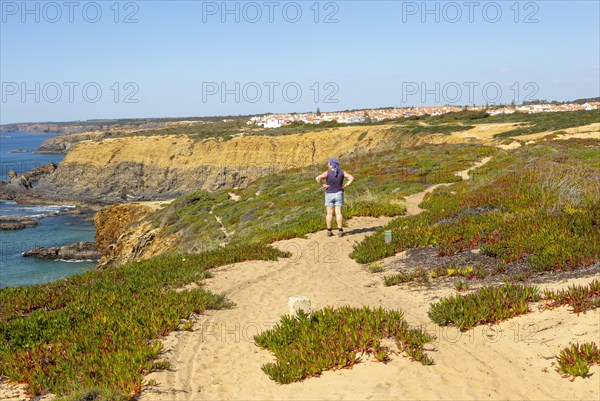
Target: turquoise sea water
22,162
51,231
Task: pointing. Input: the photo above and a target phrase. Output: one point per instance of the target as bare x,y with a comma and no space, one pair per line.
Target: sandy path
412,201
218,360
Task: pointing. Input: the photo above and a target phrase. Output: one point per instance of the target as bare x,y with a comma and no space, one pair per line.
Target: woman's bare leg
339,217
329,218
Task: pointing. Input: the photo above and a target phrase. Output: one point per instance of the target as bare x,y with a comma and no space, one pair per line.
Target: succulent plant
335,339
576,360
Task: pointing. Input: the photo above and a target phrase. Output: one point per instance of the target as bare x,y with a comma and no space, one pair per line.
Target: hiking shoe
340,234
329,233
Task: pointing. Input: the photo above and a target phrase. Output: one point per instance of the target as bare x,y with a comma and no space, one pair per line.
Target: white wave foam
34,211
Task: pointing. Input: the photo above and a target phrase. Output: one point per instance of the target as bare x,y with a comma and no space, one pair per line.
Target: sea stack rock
17,225
77,251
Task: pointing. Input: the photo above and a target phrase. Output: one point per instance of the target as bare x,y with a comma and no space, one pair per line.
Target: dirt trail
413,201
218,359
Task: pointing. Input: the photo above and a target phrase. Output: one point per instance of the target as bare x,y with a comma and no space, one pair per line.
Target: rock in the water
17,225
12,219
21,183
77,251
30,178
21,222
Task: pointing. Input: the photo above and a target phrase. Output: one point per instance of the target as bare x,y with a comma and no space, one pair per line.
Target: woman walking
334,193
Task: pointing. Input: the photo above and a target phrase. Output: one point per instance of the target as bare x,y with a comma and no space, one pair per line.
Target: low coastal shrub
451,270
95,394
445,129
376,267
580,298
337,338
460,285
539,204
486,305
419,275
576,360
517,278
101,329
375,208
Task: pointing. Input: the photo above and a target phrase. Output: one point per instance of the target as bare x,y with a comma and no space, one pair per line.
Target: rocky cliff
123,234
138,167
63,143
75,127
48,128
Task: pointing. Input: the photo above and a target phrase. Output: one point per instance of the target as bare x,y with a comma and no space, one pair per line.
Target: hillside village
362,116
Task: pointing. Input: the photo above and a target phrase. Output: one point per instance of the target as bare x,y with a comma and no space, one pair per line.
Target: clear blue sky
175,58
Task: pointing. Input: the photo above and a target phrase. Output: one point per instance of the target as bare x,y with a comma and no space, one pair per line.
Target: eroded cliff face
135,167
123,234
63,143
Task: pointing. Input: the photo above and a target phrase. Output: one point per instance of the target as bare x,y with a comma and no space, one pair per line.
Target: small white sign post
299,302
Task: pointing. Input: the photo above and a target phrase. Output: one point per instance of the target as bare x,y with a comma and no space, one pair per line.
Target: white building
273,123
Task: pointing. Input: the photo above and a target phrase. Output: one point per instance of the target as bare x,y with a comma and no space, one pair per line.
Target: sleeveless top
335,183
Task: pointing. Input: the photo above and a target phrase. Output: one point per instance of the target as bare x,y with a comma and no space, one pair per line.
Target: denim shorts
334,199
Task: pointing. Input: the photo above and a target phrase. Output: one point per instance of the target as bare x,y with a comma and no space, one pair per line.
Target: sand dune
512,360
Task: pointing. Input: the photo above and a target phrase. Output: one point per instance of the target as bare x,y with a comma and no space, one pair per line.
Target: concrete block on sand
299,302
